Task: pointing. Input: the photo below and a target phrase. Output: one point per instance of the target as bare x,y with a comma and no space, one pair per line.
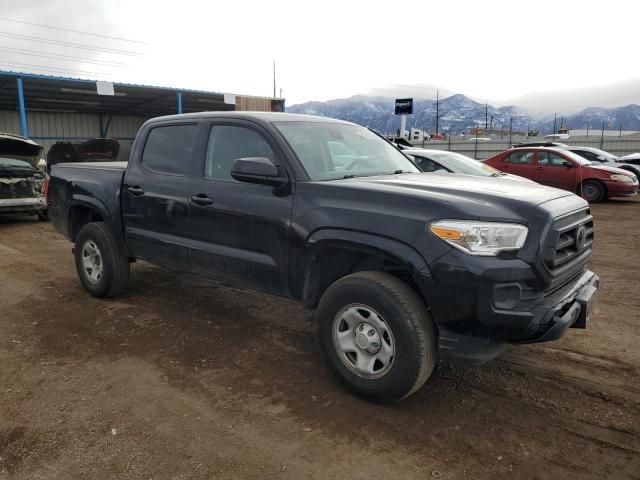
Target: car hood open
20,148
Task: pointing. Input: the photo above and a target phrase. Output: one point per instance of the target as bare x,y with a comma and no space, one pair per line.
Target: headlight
481,238
622,178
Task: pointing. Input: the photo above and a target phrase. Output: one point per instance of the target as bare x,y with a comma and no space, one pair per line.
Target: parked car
631,159
22,184
563,169
400,267
439,160
545,143
600,157
93,150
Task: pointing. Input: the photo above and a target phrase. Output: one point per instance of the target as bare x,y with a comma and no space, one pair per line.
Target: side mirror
258,170
567,164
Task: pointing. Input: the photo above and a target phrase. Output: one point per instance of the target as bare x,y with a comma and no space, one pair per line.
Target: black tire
43,216
114,275
592,191
413,333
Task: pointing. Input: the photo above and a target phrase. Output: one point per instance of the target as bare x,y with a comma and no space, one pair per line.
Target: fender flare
79,200
363,242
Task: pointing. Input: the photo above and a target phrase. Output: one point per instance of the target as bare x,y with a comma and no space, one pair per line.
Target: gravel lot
182,378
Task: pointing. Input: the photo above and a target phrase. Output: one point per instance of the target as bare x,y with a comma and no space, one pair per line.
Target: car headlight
481,238
622,178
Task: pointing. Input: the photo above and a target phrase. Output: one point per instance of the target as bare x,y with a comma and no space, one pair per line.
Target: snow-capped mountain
459,113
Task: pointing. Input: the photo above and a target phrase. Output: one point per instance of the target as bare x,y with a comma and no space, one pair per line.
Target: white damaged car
22,184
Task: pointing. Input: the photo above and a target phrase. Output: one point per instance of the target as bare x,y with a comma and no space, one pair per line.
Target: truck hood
458,185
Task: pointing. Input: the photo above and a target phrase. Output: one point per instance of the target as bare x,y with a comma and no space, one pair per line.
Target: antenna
274,79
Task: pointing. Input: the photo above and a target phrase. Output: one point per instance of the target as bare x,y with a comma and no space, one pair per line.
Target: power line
31,38
34,53
53,69
4,19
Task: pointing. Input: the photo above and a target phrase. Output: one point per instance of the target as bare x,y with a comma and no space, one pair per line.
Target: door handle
202,199
135,190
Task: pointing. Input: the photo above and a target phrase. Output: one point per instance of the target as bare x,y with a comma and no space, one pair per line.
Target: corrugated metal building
49,109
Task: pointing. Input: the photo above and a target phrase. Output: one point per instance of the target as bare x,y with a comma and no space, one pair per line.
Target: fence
482,149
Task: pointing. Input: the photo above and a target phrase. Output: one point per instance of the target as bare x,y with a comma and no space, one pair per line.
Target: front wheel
592,191
101,263
376,336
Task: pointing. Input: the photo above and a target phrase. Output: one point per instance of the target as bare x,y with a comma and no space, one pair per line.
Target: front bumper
30,206
621,189
479,313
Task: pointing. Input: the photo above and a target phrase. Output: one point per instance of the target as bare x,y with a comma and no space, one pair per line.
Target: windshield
596,152
329,151
462,164
576,158
14,164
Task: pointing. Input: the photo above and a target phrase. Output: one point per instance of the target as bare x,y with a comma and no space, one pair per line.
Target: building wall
47,128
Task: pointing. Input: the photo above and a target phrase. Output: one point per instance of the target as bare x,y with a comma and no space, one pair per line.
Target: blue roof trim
42,76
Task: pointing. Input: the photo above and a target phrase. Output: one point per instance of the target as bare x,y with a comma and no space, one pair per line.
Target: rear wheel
376,336
592,191
101,263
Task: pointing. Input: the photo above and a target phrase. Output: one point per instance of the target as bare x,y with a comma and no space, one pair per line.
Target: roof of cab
267,117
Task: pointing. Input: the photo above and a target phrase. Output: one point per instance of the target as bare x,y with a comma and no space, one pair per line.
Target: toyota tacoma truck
400,267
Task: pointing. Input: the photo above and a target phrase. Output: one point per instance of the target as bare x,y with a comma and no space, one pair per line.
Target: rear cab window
169,149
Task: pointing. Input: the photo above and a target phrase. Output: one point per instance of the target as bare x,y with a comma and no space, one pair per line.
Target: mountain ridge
459,113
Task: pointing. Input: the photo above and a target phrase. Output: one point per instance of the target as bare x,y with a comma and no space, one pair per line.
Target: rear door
155,194
553,171
239,231
519,162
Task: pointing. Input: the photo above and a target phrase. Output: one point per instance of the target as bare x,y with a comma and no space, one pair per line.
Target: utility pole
620,130
561,122
510,130
588,125
280,92
491,124
437,110
555,118
274,79
486,115
602,135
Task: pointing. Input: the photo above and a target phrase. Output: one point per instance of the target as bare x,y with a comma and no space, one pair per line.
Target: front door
554,171
239,231
155,194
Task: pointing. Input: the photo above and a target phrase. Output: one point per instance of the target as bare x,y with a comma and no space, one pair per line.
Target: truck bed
93,185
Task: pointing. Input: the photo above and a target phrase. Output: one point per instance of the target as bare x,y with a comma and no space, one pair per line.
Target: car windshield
600,153
330,151
576,158
14,164
459,163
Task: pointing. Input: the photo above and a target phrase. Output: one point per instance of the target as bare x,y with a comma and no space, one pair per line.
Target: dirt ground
182,379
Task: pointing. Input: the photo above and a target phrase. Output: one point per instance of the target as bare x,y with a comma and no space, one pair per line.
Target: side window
427,165
519,157
228,142
550,159
168,149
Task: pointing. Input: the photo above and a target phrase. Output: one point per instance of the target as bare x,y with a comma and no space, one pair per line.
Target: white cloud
496,50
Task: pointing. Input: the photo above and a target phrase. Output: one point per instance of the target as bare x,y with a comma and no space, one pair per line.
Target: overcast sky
496,50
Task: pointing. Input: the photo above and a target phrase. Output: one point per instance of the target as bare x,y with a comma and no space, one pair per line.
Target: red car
566,170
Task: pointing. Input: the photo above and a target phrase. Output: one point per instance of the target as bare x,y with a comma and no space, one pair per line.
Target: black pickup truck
401,267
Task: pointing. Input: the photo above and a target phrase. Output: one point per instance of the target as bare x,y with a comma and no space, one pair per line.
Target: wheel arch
334,254
83,210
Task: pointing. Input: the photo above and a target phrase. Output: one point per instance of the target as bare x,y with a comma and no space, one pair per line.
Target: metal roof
52,93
